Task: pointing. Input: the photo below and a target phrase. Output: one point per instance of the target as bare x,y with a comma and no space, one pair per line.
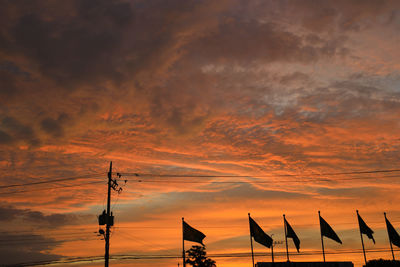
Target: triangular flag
326,230
191,234
364,229
290,233
258,234
393,235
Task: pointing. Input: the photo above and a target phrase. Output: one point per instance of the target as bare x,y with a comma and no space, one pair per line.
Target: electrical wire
50,188
204,182
258,181
26,242
130,236
305,179
178,256
258,176
51,180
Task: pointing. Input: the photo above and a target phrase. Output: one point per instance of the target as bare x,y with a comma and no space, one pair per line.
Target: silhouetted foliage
197,257
382,262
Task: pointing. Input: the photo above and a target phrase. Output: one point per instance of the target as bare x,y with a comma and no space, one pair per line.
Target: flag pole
362,240
272,250
390,240
284,226
183,245
322,239
251,242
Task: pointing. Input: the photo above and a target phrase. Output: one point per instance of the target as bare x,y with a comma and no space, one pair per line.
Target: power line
88,231
62,229
51,180
257,176
225,226
35,236
135,238
50,188
26,242
187,182
258,181
177,256
200,182
46,181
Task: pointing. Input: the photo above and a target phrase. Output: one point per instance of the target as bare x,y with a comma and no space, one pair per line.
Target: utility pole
108,222
107,218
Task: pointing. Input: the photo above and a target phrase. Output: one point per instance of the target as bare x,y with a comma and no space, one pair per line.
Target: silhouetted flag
191,234
364,229
258,234
326,230
290,233
393,235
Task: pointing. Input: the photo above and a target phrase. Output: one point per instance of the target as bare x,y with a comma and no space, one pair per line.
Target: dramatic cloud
15,131
26,248
37,217
273,96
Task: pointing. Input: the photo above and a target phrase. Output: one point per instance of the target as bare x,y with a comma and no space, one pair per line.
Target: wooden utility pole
108,222
107,218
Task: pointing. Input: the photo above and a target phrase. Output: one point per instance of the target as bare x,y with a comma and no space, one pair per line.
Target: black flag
258,234
290,233
393,235
364,229
326,230
191,234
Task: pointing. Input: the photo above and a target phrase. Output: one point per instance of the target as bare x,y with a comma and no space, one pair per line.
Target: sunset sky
222,107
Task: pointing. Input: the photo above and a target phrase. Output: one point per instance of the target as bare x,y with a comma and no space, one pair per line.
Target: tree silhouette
197,257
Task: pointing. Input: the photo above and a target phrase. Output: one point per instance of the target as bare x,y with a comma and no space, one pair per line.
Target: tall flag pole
322,239
289,232
362,240
326,230
183,243
284,226
190,234
390,239
251,241
272,251
393,235
364,229
259,236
